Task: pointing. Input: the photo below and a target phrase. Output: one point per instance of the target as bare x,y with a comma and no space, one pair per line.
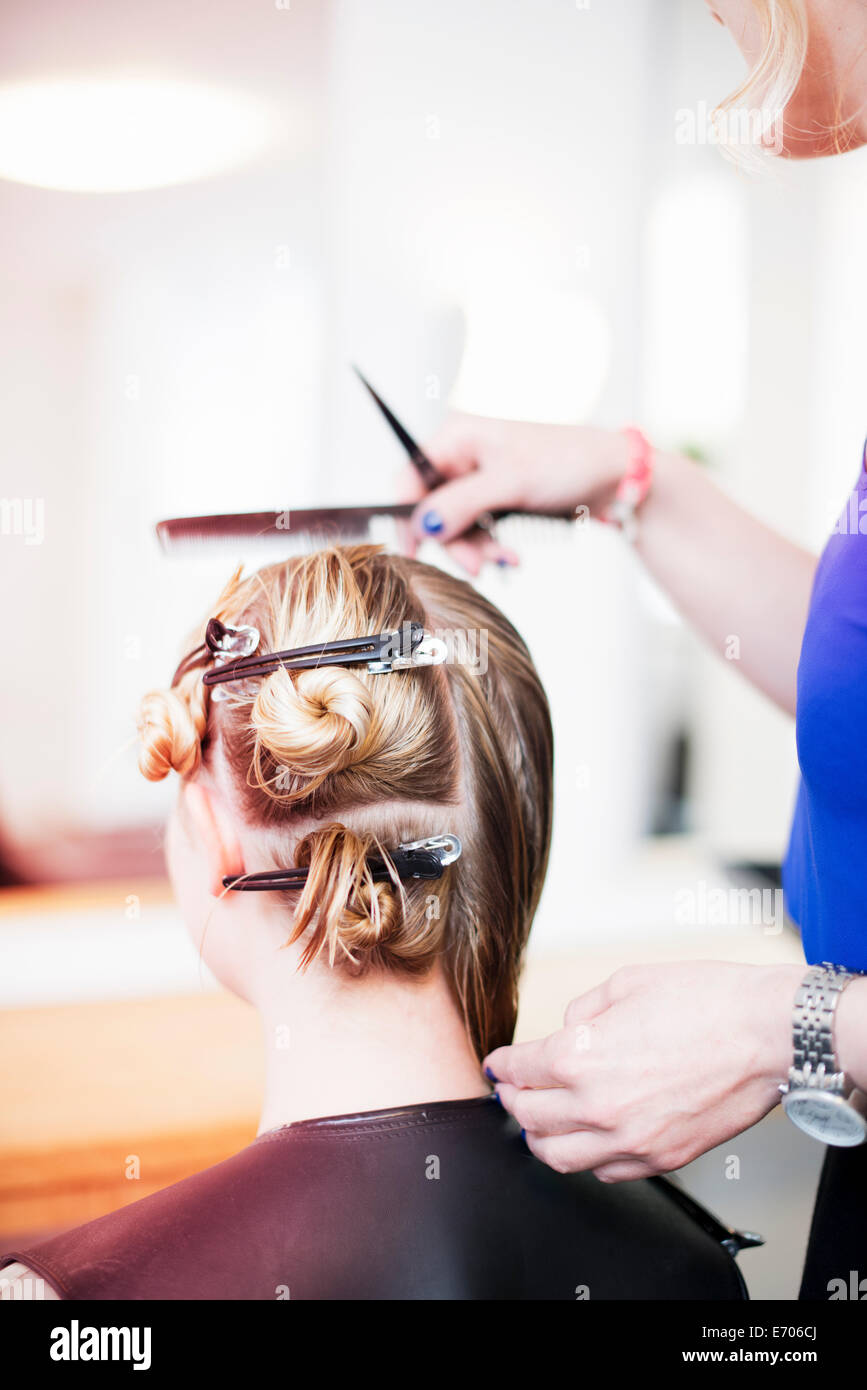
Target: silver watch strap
815,1061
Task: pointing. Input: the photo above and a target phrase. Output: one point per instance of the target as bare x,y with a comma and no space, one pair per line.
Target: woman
383,1165
686,1056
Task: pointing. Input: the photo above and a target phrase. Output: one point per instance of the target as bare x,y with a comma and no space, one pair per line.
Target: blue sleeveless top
825,869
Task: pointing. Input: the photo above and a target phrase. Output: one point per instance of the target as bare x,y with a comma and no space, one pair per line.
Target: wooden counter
88,1089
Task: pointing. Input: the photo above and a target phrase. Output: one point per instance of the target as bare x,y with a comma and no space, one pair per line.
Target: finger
545,1112
408,485
406,541
471,551
493,551
588,1005
526,1064
572,1153
624,1170
455,446
452,508
477,548
467,553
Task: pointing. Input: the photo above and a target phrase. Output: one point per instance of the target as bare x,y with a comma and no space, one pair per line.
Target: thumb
453,507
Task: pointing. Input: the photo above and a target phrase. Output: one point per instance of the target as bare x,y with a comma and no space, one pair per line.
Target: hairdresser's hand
503,463
653,1067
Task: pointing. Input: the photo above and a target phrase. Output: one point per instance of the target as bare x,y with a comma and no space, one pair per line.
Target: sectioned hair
331,763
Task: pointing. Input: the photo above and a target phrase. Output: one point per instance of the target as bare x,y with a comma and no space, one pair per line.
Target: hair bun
353,918
313,724
353,915
171,730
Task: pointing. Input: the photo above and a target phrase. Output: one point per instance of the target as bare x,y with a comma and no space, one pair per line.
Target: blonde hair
770,86
333,763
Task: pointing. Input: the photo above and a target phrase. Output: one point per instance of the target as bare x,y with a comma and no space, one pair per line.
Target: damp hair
332,764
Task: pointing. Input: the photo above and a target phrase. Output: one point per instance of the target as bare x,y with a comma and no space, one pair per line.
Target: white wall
162,355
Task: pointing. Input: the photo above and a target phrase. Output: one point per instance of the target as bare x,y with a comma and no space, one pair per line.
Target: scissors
427,471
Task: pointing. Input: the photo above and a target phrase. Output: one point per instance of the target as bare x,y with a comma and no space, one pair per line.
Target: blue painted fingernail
496,1097
524,1135
432,522
490,1075
502,561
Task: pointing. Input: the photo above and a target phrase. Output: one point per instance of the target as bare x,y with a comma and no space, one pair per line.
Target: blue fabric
825,870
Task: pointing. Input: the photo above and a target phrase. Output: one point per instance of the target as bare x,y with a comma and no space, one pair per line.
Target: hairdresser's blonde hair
350,761
770,86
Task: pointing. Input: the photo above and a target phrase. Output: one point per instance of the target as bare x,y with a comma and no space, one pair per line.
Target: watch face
826,1117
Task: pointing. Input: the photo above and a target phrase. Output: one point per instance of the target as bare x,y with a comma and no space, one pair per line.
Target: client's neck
336,1045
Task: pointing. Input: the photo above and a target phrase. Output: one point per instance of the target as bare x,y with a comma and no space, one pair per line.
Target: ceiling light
118,134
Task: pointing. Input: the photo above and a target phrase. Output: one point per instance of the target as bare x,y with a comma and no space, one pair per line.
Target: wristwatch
819,1097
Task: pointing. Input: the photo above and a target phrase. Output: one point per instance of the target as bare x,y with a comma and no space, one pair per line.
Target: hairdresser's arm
732,577
663,1062
739,583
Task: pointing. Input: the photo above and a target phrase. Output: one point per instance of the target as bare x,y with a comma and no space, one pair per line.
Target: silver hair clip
224,641
431,651
229,644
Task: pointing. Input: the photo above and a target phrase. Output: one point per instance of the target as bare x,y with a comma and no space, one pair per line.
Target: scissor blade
428,471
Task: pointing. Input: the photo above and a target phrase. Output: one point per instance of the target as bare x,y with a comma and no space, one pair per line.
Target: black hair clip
382,652
417,859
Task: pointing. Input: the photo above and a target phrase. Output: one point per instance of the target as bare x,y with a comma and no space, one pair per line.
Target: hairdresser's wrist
669,495
669,472
771,1001
772,1007
610,451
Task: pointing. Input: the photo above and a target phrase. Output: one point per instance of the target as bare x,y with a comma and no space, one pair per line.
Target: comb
311,527
328,525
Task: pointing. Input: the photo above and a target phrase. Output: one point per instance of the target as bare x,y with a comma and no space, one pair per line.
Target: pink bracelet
633,486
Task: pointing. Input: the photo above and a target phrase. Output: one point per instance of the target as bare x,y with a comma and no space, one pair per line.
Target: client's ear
214,832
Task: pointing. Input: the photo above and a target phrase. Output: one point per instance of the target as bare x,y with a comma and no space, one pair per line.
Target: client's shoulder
642,1239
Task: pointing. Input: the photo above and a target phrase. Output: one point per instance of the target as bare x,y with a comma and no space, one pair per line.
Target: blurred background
517,207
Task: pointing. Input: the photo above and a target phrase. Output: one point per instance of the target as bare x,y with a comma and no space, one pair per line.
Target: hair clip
416,859
221,642
229,644
388,651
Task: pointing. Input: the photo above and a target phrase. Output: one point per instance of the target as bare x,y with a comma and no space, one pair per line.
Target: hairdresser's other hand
653,1067
491,463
